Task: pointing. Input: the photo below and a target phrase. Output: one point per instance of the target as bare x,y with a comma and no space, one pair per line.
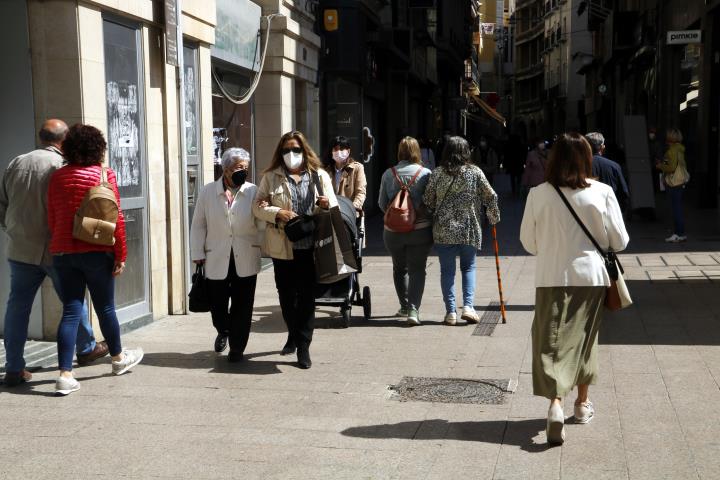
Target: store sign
236,33
487,28
684,37
171,46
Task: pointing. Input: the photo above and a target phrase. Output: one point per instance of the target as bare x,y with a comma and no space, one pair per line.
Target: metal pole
183,156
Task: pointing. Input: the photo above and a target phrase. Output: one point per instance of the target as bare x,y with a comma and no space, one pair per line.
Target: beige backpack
97,214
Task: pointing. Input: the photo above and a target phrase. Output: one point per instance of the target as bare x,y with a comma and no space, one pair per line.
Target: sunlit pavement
186,413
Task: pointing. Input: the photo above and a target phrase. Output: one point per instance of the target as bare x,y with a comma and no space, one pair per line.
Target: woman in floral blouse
456,185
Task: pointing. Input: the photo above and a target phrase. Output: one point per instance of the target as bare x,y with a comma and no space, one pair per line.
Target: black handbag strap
579,222
316,181
609,257
447,192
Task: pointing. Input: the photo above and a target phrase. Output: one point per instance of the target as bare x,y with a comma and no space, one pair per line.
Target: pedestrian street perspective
362,239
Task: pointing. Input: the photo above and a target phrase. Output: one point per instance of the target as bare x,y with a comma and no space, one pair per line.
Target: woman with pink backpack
408,233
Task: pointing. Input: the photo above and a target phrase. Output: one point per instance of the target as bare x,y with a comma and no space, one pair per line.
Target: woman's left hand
323,202
118,268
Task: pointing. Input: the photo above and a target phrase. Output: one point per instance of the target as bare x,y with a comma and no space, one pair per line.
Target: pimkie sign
684,37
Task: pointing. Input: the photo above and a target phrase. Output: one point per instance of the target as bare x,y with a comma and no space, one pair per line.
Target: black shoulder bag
303,225
618,296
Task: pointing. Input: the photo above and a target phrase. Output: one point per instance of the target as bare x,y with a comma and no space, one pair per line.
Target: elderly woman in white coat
570,279
290,188
224,237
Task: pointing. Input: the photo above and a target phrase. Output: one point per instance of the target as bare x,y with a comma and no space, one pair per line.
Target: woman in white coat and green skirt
571,279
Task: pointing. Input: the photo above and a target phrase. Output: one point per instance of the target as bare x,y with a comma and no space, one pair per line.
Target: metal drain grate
489,320
452,390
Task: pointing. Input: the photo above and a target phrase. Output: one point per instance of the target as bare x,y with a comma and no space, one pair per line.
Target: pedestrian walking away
485,157
409,249
535,165
675,177
23,217
288,189
456,194
608,171
224,238
80,264
571,278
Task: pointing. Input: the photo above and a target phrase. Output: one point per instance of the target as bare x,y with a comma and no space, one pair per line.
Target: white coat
217,229
565,255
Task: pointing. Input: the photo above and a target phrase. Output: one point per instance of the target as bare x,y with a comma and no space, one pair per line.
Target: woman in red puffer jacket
79,264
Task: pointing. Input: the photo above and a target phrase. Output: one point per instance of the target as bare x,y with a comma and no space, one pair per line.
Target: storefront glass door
126,151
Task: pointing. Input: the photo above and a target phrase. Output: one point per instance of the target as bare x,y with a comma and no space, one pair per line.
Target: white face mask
293,161
541,146
341,156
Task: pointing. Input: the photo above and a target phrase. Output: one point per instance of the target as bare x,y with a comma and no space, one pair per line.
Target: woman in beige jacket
348,176
289,189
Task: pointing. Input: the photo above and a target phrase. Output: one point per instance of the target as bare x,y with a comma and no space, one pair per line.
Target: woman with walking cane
571,279
456,194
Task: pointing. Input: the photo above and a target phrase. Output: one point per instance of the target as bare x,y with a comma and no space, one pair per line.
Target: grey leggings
409,253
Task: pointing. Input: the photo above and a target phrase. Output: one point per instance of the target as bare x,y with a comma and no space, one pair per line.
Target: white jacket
216,229
565,256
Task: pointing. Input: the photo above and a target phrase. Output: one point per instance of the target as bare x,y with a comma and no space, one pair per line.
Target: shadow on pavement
217,363
506,432
29,387
666,312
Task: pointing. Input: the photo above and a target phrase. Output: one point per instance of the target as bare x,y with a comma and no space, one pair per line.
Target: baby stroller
346,292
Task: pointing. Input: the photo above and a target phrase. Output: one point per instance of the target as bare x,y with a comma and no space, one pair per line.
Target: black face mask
238,177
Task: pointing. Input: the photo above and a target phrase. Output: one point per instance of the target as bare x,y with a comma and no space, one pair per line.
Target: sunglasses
285,151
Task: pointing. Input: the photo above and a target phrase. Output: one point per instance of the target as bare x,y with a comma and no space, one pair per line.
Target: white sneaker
413,318
676,238
555,430
584,412
470,315
130,359
66,385
450,318
403,312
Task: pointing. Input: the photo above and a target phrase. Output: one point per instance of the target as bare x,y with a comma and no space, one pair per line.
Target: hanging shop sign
237,39
684,37
487,28
171,47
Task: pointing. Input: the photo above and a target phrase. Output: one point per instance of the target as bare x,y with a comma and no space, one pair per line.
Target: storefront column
274,115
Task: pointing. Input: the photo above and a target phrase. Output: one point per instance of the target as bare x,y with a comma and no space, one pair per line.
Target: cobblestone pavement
187,413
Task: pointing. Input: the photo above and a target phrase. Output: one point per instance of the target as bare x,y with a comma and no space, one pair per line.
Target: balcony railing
533,32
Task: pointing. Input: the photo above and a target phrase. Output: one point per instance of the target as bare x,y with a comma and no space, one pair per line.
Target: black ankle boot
303,356
289,347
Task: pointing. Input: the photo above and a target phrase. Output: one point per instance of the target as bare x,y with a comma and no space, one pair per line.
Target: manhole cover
489,320
452,390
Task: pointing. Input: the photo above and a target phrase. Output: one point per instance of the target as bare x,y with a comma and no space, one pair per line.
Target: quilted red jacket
67,189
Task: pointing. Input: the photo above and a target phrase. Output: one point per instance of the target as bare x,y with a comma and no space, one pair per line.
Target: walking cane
497,266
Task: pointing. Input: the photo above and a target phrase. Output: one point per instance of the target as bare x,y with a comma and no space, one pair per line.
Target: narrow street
186,412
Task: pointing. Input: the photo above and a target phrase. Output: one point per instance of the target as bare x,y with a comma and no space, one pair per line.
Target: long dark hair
312,162
570,163
455,154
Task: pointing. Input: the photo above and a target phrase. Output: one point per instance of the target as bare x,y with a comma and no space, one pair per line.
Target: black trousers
239,292
295,282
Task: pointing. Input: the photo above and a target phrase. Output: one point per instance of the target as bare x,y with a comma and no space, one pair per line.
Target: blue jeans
676,194
75,272
447,255
25,280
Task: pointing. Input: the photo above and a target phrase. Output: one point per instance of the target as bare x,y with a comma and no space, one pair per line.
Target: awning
491,112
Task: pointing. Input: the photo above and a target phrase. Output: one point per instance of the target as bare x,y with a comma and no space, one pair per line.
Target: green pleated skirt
565,338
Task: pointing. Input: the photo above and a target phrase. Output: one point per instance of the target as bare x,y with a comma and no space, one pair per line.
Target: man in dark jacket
607,171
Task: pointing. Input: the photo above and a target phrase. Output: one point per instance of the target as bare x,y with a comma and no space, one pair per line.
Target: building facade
529,80
103,62
655,64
